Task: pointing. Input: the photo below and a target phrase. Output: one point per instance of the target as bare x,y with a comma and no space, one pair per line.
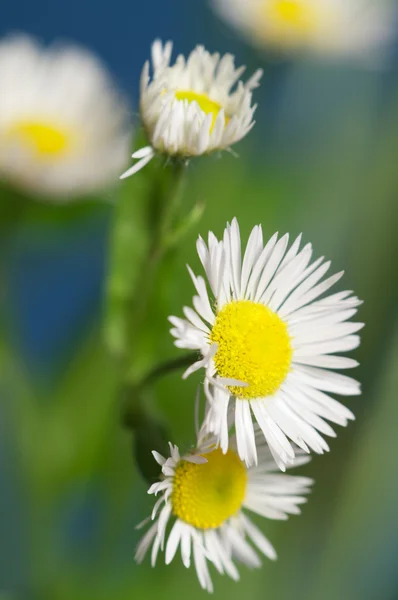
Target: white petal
201,568
145,543
258,538
162,522
327,381
195,459
271,266
158,457
143,152
244,432
219,554
253,250
241,549
186,546
173,541
138,166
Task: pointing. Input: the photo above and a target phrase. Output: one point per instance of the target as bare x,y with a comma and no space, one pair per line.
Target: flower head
195,106
268,343
62,127
205,495
342,27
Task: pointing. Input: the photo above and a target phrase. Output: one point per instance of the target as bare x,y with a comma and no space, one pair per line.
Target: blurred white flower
206,495
195,106
268,341
342,27
63,127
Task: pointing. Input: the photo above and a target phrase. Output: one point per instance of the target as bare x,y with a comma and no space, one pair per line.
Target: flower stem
132,281
168,367
163,209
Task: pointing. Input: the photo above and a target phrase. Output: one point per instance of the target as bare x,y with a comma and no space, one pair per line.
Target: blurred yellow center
42,138
296,15
208,494
253,347
210,107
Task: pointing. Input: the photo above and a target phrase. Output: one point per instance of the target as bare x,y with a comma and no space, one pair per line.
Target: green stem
132,408
163,208
147,225
142,235
168,367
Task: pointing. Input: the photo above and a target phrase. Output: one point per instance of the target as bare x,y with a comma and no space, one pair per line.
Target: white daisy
204,496
345,27
195,106
268,341
63,127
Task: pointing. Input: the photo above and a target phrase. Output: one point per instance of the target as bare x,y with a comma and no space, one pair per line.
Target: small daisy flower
63,129
328,27
195,106
268,341
205,496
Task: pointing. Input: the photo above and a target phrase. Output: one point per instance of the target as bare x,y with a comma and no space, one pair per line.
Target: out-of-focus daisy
63,129
268,340
195,106
342,27
205,496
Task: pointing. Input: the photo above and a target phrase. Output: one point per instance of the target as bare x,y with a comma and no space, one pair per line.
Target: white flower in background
268,341
342,27
63,128
195,106
205,495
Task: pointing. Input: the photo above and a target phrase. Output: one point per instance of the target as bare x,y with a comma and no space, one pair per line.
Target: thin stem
168,367
163,192
163,207
133,412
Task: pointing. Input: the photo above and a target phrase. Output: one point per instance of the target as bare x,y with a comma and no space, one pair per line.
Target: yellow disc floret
287,22
205,103
43,139
294,13
206,495
253,347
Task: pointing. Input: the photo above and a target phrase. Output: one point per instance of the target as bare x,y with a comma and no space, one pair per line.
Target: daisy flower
328,27
268,343
204,499
193,107
62,125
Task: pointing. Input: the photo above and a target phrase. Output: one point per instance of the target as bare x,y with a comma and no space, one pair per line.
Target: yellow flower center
44,139
208,494
253,346
210,107
295,13
288,21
